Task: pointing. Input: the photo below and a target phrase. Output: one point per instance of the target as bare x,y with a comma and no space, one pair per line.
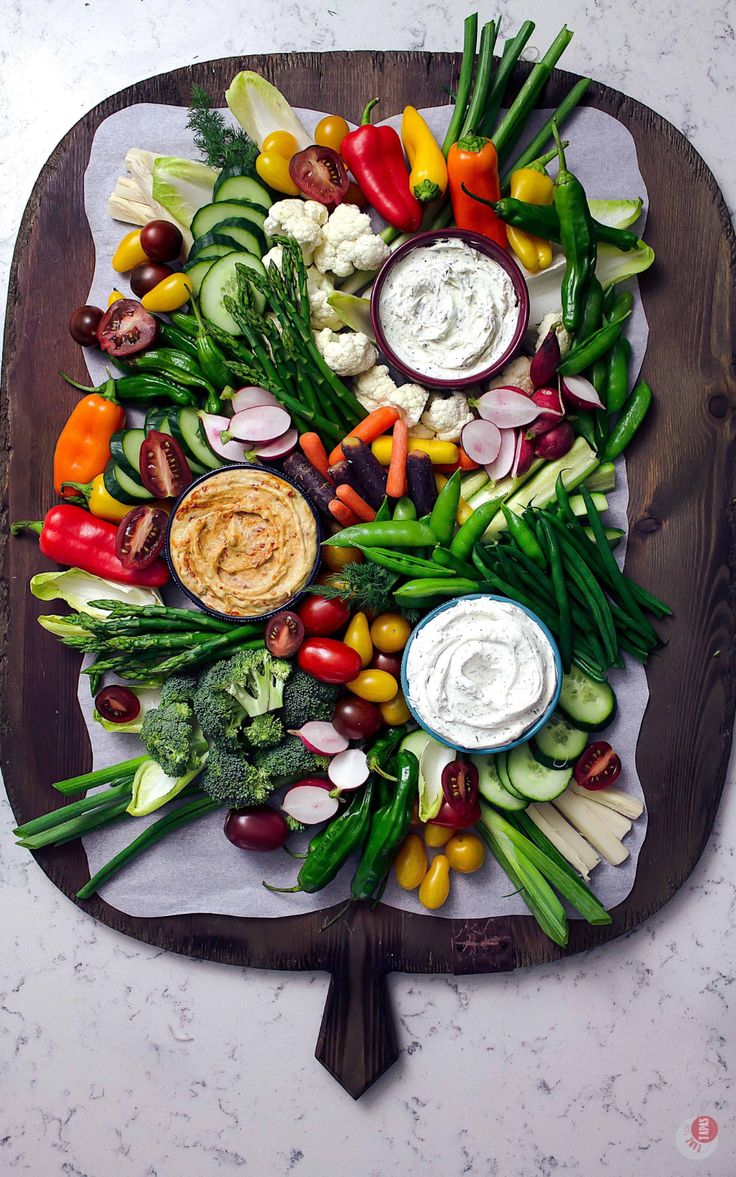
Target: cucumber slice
575,467
503,775
216,248
578,507
534,780
558,743
490,787
123,488
588,705
220,280
233,184
614,535
125,448
196,270
244,233
212,215
603,479
156,418
186,427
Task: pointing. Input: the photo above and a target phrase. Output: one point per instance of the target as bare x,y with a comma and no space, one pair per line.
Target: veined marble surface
122,1060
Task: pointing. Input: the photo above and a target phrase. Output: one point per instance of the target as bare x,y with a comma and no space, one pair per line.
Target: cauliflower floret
348,354
321,314
349,243
301,219
446,415
420,431
563,335
375,388
275,255
517,374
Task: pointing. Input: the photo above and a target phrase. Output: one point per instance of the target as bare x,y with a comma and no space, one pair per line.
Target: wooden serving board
681,474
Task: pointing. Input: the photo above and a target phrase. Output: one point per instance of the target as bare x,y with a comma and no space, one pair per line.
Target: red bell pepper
375,156
70,535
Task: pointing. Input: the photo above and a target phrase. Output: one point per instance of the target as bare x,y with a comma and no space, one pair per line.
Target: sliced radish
310,804
502,463
507,407
251,397
580,393
549,401
322,738
214,426
263,423
546,361
481,441
280,448
349,770
523,456
556,442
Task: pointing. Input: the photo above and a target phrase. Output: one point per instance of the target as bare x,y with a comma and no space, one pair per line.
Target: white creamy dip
480,673
448,310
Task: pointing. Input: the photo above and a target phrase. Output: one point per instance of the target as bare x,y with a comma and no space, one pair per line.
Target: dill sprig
363,586
221,146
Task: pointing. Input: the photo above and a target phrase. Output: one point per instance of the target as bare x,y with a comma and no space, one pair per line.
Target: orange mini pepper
83,448
472,166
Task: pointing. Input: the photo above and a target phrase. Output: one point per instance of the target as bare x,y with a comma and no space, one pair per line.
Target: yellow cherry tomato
130,253
169,295
395,711
390,632
435,836
358,637
377,686
465,853
410,864
281,143
435,886
274,171
330,131
336,558
115,296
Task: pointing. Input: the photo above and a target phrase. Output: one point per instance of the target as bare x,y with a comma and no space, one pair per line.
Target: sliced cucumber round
535,780
125,447
490,787
503,775
558,743
215,241
234,184
186,427
196,270
156,418
244,233
221,280
123,488
210,216
588,705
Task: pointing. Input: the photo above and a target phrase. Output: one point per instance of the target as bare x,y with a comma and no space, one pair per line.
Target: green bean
558,583
607,558
580,573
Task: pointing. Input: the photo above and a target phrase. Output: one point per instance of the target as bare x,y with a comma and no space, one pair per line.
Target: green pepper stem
560,148
284,890
26,525
366,119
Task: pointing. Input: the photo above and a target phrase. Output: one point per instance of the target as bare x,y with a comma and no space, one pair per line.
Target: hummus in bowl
243,541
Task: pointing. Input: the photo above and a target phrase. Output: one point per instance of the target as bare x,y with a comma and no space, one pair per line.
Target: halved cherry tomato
390,632
329,660
320,174
126,328
356,719
322,616
598,766
117,704
164,468
141,535
374,685
330,131
281,143
284,634
460,805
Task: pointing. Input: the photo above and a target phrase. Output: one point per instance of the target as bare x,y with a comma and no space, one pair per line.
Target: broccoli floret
289,761
265,730
232,780
173,738
221,717
306,698
256,680
179,688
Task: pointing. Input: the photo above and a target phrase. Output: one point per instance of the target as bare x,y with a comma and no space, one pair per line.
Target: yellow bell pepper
428,179
129,253
169,295
534,186
442,453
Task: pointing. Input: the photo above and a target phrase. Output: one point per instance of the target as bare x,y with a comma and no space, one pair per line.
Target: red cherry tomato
147,275
284,634
320,174
141,535
164,468
598,766
329,660
126,328
356,719
323,615
259,828
84,323
391,663
161,241
117,704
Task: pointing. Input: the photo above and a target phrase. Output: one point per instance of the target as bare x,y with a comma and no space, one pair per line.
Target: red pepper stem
26,525
366,119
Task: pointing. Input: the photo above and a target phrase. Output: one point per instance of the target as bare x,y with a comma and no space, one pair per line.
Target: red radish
263,423
281,447
321,737
502,463
523,456
556,442
580,393
549,401
546,361
507,407
349,770
231,451
481,441
251,397
310,802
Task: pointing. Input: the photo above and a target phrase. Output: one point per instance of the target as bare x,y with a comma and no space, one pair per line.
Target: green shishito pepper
576,237
331,850
387,830
387,533
145,389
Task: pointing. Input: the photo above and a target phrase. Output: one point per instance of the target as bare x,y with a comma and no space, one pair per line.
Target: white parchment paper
197,869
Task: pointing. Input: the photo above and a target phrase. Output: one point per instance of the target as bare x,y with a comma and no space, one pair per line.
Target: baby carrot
357,505
314,451
369,429
396,482
343,514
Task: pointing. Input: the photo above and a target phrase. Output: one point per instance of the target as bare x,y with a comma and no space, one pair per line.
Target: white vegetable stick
591,825
612,798
616,822
564,838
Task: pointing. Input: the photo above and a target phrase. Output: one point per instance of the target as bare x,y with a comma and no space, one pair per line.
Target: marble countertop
120,1059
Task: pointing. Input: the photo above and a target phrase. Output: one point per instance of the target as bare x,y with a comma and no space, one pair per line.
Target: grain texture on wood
681,474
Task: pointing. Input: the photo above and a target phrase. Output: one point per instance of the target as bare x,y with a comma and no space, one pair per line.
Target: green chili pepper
387,830
444,511
474,527
404,509
143,389
384,511
342,836
633,414
388,533
403,563
384,747
543,221
171,336
592,310
448,559
418,590
617,375
593,348
185,322
524,537
576,237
